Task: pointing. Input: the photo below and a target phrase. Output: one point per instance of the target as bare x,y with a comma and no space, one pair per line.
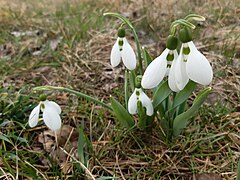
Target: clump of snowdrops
154,89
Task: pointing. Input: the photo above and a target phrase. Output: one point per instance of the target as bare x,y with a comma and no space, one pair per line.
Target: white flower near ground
194,66
51,115
123,50
139,95
158,69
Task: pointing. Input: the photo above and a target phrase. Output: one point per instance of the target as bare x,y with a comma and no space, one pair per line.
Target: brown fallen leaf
66,138
208,176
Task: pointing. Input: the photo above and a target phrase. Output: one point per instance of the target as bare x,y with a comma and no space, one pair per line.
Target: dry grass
210,146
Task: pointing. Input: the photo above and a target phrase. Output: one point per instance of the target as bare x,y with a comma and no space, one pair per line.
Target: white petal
56,106
128,55
171,77
51,117
34,116
181,76
132,103
115,56
155,71
146,102
198,68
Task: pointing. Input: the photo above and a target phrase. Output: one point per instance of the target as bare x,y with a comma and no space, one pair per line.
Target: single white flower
123,50
171,78
51,115
139,95
158,69
194,66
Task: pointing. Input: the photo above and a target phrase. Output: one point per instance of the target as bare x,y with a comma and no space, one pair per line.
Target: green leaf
146,56
142,121
122,114
162,93
180,122
184,94
81,144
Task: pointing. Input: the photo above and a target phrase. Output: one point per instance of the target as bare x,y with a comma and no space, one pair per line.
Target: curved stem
195,17
126,21
180,22
47,88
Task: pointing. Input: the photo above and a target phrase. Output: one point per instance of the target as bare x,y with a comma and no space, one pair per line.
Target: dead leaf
66,138
208,176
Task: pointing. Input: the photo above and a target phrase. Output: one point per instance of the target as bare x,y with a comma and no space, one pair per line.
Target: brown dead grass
86,68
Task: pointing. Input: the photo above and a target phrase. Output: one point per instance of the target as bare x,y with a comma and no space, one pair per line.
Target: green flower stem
126,88
195,17
126,21
180,22
47,88
132,77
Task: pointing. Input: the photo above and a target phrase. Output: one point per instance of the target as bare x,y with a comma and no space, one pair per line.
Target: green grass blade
4,138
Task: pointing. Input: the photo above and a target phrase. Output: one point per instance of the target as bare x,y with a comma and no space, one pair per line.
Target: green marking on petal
120,42
138,94
42,106
170,57
186,50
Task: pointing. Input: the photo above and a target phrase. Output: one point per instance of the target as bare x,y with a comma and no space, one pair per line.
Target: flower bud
172,42
185,35
121,32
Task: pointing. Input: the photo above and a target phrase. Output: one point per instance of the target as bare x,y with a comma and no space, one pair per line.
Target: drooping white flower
162,65
171,78
158,69
123,50
139,95
194,66
51,115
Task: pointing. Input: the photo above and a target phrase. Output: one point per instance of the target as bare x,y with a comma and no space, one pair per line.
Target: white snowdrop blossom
123,50
158,69
191,65
139,95
51,115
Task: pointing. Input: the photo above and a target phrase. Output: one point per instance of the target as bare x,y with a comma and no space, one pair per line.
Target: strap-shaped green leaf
122,114
180,122
162,93
146,56
184,94
142,115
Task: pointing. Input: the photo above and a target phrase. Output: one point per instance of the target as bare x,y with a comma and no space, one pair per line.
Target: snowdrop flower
123,50
51,114
160,67
139,95
191,64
